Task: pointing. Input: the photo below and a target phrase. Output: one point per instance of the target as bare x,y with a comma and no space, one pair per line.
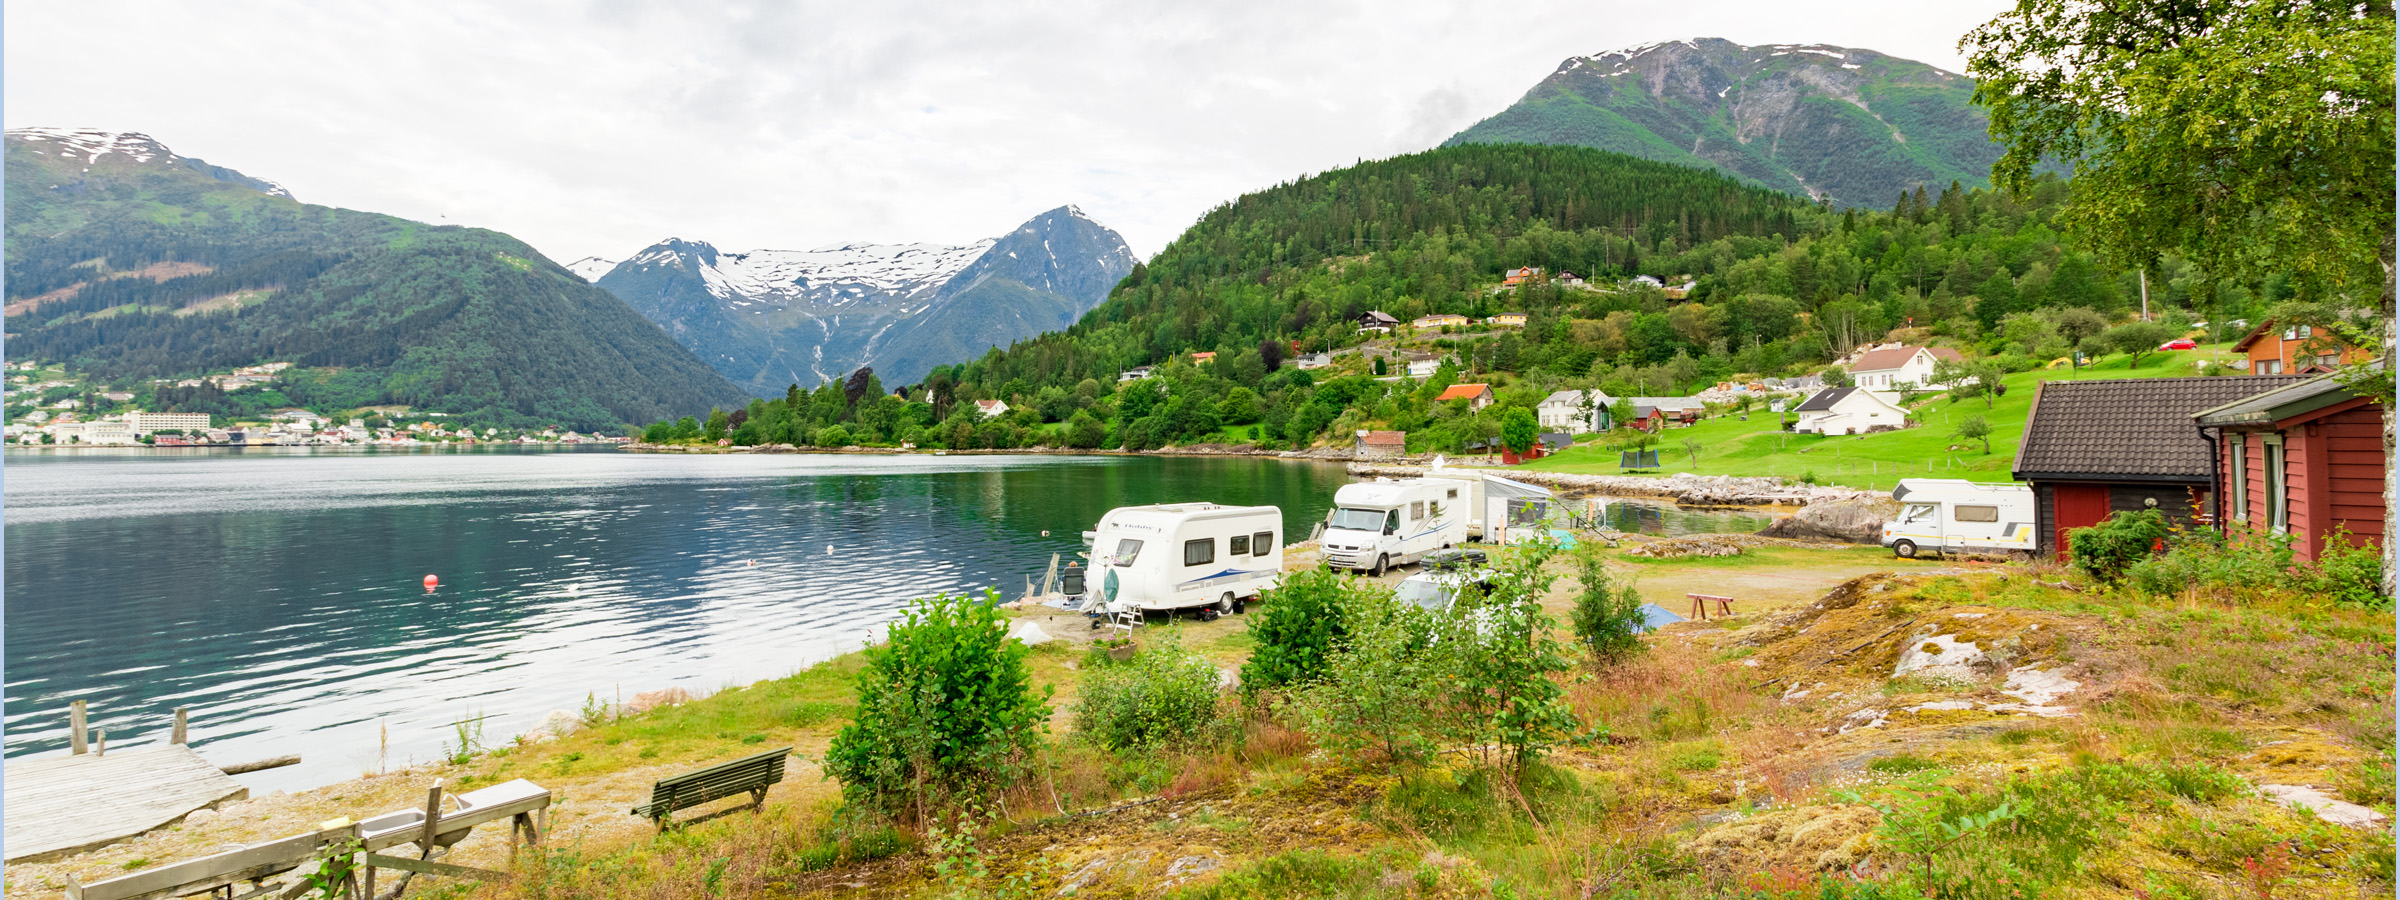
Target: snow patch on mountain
590,268
88,145
828,276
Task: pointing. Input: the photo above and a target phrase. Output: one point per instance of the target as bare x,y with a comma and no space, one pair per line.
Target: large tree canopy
2254,137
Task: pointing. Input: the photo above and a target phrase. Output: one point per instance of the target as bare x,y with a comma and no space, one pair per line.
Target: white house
1424,368
1315,361
990,408
1848,411
1884,367
147,422
1136,373
1564,411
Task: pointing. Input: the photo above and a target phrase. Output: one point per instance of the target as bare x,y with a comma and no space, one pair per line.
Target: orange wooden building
2301,460
2277,348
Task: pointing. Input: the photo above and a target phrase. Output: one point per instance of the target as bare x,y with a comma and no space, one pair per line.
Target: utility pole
2145,293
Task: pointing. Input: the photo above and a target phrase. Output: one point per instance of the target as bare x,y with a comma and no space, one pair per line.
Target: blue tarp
1655,617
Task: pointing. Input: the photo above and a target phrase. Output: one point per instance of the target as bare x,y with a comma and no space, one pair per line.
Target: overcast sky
596,128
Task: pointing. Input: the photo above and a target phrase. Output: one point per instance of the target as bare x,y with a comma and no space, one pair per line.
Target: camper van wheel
1905,549
1382,562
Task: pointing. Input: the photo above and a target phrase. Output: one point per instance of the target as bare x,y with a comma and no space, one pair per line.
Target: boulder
1858,520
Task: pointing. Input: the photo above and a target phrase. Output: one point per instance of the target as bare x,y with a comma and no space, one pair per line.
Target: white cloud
598,127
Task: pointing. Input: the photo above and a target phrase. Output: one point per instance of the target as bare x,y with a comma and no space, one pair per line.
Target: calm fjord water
277,593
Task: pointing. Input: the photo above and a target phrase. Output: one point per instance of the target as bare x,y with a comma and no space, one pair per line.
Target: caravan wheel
1227,604
1905,549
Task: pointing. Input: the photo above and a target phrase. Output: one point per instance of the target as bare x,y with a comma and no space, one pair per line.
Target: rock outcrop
1858,520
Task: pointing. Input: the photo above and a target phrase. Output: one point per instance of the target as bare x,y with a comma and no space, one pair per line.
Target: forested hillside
1782,287
129,265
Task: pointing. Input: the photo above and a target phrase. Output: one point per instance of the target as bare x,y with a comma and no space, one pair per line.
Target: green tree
946,710
1692,448
2136,338
1301,624
1519,430
1239,407
1607,618
718,423
1085,431
1974,428
2252,138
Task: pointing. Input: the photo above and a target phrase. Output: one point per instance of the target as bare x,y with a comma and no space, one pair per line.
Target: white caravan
1173,556
1951,515
1494,503
1375,525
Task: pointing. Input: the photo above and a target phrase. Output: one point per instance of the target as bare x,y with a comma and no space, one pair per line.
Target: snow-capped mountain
94,147
772,318
590,268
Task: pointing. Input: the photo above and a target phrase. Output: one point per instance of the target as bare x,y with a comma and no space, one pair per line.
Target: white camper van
1173,556
1951,515
1492,503
1375,525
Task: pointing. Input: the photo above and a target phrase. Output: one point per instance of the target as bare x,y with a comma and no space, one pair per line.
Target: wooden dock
61,805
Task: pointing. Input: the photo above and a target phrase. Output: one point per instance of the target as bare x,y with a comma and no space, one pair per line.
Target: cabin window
1262,543
1200,552
2238,460
1917,514
1237,545
1416,511
1975,513
1453,494
1127,549
2278,507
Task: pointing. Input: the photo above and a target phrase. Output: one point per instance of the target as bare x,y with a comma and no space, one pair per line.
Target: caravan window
1357,519
1127,549
1237,545
1453,494
1200,552
1975,513
1416,511
1262,543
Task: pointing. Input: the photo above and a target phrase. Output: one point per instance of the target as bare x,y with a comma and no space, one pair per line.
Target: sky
600,127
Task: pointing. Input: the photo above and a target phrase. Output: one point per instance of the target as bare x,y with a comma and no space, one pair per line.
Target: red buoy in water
432,582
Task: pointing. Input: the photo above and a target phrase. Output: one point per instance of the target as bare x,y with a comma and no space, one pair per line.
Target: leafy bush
1299,627
1377,697
1607,618
2351,574
946,710
1502,698
1164,695
2105,551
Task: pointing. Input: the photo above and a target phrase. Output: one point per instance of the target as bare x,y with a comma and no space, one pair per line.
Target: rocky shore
1683,488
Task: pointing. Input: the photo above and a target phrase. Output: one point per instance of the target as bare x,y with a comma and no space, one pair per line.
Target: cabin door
2077,506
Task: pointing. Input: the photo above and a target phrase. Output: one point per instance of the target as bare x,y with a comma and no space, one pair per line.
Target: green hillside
129,265
1847,124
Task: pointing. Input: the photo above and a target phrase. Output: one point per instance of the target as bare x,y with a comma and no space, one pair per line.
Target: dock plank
60,805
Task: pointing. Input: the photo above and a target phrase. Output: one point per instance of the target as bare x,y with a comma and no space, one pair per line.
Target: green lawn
1730,446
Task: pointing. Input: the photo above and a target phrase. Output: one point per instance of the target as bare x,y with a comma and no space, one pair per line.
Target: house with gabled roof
2292,348
1375,444
1884,368
1377,320
2093,448
1477,396
1850,410
2301,460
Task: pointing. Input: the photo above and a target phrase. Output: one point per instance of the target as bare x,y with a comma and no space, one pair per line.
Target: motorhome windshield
1127,549
1357,519
1917,513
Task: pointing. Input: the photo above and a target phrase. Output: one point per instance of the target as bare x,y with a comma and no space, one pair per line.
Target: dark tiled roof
2131,428
1824,399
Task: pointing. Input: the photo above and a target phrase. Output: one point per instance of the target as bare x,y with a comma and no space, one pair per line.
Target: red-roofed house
1881,368
1381,443
2275,348
990,408
1204,356
1477,396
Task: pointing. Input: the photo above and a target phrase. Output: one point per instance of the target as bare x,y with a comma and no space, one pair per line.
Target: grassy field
1759,446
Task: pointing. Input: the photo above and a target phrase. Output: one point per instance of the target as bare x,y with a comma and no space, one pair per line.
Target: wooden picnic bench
1700,605
750,774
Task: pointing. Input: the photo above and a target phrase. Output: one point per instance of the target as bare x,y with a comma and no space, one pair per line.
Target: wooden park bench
1700,605
750,774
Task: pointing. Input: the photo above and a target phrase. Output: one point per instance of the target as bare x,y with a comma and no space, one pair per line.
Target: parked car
2178,344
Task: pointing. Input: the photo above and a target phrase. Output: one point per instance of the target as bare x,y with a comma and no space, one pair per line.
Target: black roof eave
2112,477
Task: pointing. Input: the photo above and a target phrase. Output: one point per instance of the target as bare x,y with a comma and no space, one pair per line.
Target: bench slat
751,773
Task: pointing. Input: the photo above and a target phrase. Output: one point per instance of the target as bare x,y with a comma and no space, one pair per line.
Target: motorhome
1375,525
1951,515
1496,505
1172,556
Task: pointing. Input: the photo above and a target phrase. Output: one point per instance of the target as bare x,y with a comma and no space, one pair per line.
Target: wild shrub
1166,695
946,710
1298,628
2351,574
1376,698
2106,550
1607,618
1502,697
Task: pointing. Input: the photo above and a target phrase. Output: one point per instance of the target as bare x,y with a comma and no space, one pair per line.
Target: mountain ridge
768,319
1847,124
127,261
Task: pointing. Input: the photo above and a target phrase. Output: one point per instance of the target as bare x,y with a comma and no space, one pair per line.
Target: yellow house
1507,320
1438,320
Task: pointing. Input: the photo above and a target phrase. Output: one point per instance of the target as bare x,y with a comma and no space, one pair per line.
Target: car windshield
1127,549
1357,519
1423,592
1917,512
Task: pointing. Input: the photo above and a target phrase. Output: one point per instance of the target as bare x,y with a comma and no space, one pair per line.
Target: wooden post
75,726
103,749
433,816
182,724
